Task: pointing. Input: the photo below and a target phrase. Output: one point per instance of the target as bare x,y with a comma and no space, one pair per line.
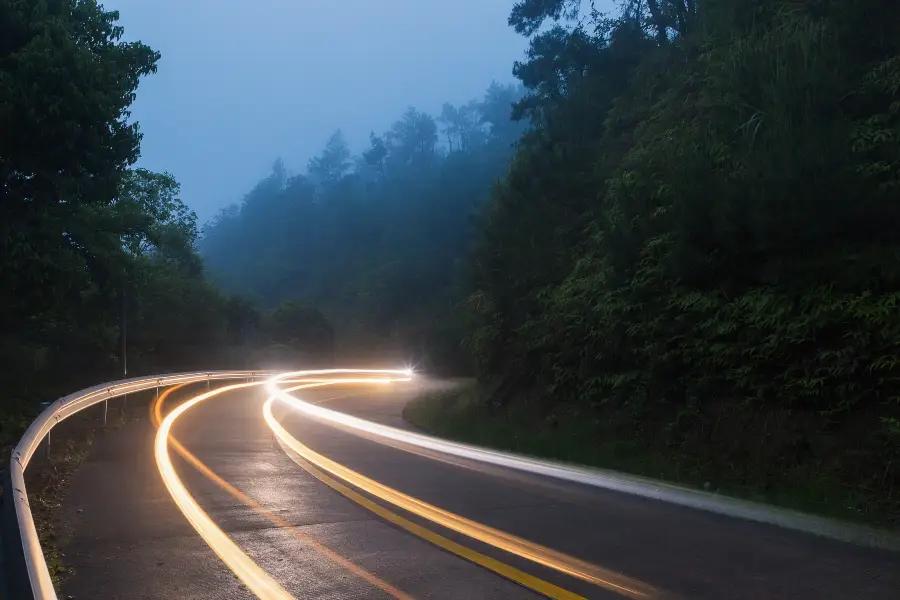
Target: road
316,536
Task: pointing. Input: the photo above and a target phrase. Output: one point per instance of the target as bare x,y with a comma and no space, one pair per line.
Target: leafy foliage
375,245
66,81
93,252
692,240
698,239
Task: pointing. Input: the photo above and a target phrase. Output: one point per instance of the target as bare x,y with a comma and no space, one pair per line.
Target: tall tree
66,84
157,220
376,153
333,163
698,235
379,253
412,139
463,127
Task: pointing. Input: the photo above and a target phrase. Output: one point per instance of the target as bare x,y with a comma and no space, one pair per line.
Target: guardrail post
48,445
105,407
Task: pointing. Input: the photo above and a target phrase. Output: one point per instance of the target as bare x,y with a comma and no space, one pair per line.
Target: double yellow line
156,418
258,581
541,555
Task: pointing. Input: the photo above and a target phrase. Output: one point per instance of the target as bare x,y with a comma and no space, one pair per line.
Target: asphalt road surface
319,537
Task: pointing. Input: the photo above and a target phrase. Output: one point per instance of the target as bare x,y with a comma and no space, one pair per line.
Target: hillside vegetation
697,244
691,251
96,254
374,240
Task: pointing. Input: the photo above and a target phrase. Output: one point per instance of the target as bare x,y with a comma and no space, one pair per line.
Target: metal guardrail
27,575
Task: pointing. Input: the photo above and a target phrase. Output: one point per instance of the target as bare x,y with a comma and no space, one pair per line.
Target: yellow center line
255,578
542,555
156,417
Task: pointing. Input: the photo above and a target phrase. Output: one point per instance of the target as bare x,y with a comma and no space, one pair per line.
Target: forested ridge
697,245
374,240
694,245
678,229
92,248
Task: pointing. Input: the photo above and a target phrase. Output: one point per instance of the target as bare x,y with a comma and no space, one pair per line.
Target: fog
240,84
665,241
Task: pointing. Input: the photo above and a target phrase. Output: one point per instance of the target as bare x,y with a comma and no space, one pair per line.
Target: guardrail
27,575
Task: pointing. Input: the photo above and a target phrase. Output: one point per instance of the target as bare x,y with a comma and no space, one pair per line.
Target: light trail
542,555
522,578
251,574
636,485
156,418
257,580
265,587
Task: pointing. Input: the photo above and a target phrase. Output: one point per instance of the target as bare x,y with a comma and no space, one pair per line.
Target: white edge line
38,573
628,484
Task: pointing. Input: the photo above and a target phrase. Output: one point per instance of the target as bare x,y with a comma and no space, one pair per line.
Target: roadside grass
462,415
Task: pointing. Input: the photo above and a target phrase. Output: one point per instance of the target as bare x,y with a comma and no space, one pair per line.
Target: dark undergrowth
524,426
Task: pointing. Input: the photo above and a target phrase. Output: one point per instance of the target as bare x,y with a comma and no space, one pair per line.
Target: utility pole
124,334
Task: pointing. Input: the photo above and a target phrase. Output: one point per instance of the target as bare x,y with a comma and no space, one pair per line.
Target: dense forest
679,225
698,241
95,254
693,243
374,240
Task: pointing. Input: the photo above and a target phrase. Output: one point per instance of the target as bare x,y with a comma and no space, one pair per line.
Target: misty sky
241,83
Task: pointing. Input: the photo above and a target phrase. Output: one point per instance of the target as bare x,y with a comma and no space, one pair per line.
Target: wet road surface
127,539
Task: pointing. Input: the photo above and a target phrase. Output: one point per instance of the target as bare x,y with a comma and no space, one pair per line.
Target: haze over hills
673,239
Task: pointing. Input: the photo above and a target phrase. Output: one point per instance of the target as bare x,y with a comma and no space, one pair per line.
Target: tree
463,125
156,220
412,138
66,84
244,319
497,112
527,16
333,163
80,231
301,328
698,235
376,153
379,254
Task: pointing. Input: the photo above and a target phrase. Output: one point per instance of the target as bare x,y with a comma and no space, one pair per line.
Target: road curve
314,516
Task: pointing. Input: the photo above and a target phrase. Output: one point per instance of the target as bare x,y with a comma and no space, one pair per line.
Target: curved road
319,536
